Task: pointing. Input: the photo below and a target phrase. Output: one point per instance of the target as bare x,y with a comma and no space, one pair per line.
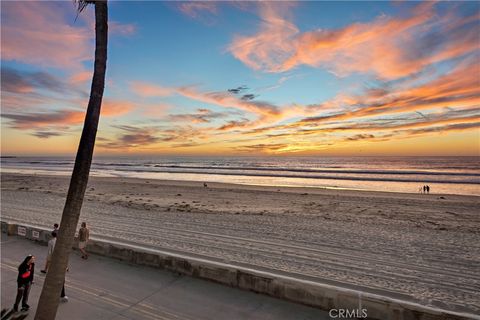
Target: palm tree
50,296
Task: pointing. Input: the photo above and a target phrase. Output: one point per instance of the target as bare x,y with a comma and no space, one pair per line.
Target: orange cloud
388,47
115,108
81,77
264,110
458,88
41,33
39,120
270,47
56,123
149,90
37,33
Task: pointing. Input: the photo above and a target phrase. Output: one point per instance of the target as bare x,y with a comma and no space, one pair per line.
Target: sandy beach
417,247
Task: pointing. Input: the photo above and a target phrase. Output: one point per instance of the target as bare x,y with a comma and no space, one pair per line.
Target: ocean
444,175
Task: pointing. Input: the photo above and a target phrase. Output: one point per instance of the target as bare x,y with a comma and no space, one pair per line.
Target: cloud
247,97
387,47
38,33
142,137
122,29
225,99
360,137
262,147
234,124
149,90
458,88
25,91
45,34
271,45
81,77
386,110
46,134
16,81
441,129
265,111
238,89
196,9
134,137
62,118
202,116
112,107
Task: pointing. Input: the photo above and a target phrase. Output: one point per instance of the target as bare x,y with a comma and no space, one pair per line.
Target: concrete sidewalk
103,288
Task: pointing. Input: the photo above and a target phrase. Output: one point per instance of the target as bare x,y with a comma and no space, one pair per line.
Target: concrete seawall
318,295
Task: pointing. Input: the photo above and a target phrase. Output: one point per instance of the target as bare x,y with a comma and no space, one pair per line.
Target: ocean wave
396,172
326,177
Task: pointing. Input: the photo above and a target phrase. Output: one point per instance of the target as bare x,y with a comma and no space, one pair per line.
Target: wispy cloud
131,137
201,116
388,47
61,118
138,137
45,34
122,29
196,9
16,81
46,134
263,110
262,147
48,124
37,33
149,90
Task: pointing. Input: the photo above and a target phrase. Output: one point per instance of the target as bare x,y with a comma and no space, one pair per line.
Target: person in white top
51,246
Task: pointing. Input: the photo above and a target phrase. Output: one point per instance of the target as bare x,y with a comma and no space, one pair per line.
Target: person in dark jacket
24,280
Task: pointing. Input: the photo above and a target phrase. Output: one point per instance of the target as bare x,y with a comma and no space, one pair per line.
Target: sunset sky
233,78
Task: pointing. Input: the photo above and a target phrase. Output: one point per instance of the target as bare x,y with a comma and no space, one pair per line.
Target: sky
245,78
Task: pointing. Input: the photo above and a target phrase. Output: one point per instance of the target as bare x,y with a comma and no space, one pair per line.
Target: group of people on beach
26,269
424,189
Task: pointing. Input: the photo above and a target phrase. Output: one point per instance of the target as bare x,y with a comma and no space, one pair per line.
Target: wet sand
417,247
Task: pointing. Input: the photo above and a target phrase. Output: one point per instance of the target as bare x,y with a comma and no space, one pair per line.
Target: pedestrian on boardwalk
51,246
63,296
24,281
83,236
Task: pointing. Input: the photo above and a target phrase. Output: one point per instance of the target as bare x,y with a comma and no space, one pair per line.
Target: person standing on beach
83,236
51,246
24,280
428,189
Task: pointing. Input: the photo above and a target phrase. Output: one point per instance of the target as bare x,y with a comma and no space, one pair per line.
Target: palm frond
81,5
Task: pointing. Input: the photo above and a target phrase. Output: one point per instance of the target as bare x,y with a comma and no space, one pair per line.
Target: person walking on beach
83,236
24,280
424,189
51,246
428,188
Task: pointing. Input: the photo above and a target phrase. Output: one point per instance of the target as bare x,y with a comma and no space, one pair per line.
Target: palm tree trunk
50,296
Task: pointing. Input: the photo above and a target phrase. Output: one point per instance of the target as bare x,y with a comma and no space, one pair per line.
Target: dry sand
417,247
